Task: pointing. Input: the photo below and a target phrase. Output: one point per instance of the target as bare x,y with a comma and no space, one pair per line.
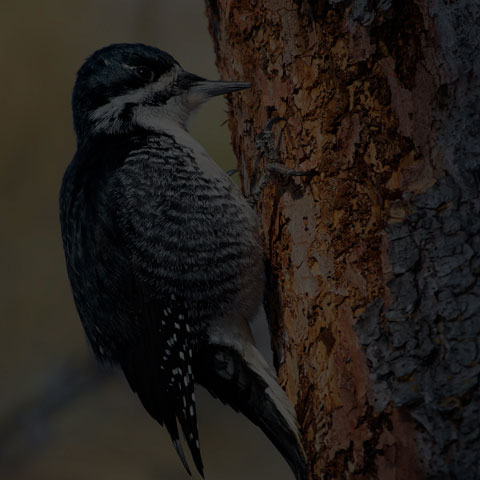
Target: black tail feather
246,383
178,447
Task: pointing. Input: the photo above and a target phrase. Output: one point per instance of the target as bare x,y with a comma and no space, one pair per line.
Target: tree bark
374,266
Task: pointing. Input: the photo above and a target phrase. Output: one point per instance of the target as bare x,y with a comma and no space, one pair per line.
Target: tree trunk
374,272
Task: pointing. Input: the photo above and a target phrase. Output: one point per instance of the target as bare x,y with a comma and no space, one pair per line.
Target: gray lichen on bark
424,347
364,11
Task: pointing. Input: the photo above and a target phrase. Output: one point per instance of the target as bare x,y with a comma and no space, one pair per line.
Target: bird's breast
193,233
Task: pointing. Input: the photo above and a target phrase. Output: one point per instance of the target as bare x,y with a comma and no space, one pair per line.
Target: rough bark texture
374,277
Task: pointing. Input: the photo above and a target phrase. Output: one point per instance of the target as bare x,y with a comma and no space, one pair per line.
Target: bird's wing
112,218
158,367
158,360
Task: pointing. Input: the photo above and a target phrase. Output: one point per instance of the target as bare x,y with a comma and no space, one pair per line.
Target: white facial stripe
165,80
107,118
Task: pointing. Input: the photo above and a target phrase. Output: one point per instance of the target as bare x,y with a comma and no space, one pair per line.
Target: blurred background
60,416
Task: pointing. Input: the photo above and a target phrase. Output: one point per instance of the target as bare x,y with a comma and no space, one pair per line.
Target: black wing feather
159,369
130,317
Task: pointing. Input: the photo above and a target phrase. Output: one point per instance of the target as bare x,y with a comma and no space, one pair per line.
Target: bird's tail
244,381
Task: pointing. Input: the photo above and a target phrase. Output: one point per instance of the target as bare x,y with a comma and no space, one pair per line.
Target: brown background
102,433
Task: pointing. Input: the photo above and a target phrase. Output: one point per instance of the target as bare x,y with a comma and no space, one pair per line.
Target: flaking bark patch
373,273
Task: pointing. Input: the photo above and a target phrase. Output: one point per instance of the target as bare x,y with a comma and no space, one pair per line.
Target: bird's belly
200,238
205,250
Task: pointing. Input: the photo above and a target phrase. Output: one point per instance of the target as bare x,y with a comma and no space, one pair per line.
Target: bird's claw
265,142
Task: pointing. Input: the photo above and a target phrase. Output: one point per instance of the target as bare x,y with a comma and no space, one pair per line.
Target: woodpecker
163,251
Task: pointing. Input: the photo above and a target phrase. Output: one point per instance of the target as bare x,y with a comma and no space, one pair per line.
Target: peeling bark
374,266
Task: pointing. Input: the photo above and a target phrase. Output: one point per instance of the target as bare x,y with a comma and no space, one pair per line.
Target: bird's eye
145,73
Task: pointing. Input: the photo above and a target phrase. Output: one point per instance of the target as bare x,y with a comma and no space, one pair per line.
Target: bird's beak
213,88
209,88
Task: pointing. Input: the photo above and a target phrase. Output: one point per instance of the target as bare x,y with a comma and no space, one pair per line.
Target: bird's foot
267,149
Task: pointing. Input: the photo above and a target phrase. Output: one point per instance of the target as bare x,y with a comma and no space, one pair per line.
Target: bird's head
124,86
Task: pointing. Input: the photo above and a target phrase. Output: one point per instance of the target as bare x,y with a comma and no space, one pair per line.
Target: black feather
131,315
224,372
